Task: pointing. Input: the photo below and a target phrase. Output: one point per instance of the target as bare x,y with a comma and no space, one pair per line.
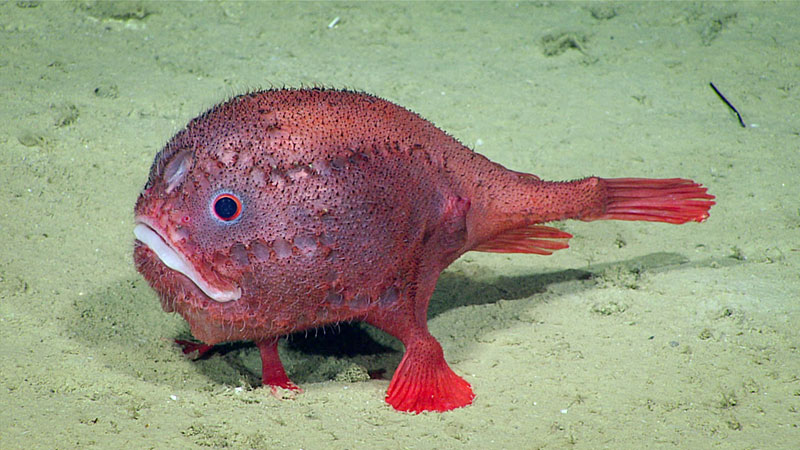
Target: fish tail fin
514,226
670,200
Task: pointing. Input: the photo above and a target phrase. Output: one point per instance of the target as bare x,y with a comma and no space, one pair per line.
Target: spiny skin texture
343,206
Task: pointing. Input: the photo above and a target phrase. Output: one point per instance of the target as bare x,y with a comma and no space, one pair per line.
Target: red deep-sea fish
288,209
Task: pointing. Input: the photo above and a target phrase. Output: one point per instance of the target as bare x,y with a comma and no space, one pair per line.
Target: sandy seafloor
640,335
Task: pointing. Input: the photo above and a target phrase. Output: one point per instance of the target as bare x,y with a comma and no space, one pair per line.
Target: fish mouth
149,235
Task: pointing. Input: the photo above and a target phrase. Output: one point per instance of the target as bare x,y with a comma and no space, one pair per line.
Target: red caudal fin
424,382
671,200
538,239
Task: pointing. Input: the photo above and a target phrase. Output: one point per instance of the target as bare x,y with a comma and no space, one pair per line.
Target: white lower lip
175,261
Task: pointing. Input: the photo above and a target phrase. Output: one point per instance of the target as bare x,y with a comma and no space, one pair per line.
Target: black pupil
225,208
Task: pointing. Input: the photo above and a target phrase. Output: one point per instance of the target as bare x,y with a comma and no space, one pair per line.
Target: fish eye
227,207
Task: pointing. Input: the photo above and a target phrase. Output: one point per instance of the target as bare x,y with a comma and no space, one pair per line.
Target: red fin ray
272,372
424,382
671,200
537,239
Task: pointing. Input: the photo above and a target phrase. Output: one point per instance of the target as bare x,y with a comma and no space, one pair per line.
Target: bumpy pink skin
352,206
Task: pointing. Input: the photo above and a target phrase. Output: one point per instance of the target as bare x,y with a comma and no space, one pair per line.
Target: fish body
284,210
